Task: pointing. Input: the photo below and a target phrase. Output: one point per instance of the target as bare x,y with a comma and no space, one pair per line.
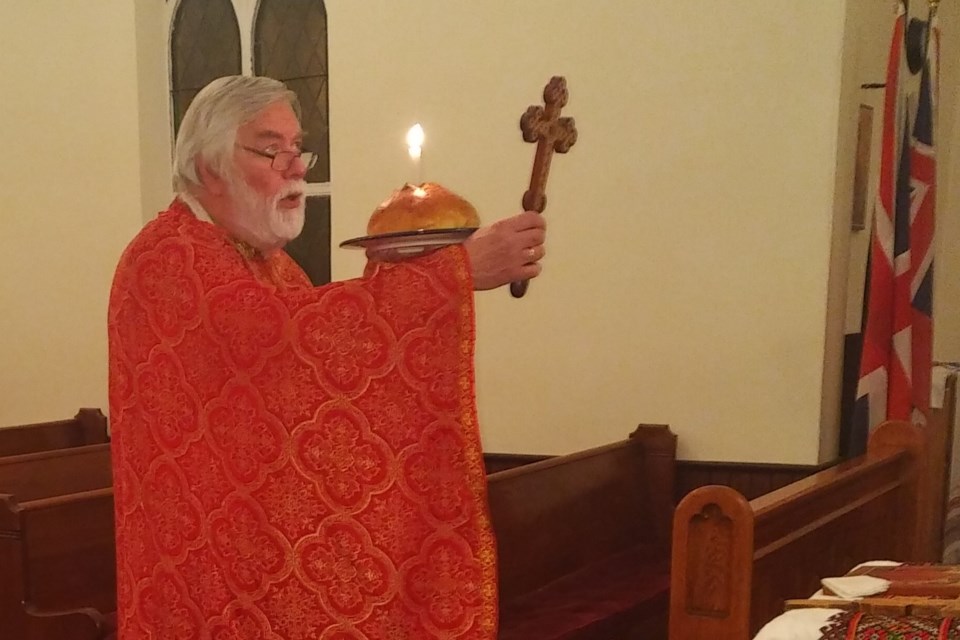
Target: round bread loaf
429,206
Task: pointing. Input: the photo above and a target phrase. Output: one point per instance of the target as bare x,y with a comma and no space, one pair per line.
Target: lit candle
415,147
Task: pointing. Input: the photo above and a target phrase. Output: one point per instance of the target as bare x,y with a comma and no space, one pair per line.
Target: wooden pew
57,543
735,563
50,473
89,426
583,541
494,462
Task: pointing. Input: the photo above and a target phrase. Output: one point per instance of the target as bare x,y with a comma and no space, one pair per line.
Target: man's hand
507,250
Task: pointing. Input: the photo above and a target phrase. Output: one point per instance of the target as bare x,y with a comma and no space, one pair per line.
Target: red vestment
294,462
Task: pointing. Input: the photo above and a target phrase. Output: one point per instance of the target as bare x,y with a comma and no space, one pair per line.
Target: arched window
204,45
290,44
286,40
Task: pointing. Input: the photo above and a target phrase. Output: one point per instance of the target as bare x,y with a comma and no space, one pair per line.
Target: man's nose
297,169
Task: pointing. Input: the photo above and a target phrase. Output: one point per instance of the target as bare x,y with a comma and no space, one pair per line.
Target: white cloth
194,205
820,595
797,624
877,563
855,587
938,385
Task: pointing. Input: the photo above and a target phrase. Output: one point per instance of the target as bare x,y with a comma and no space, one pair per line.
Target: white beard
260,221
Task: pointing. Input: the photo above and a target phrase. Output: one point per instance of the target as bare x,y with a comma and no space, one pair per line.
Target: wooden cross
544,126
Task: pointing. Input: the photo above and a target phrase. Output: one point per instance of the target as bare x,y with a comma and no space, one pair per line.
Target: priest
295,462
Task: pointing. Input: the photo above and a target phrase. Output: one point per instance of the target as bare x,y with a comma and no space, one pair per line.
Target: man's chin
290,222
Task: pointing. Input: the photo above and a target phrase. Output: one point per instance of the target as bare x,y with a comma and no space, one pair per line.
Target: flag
923,183
896,359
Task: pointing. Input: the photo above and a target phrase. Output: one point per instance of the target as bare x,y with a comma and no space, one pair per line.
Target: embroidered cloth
294,462
861,626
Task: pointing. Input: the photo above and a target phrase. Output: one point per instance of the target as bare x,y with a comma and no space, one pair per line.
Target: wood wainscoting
752,479
502,461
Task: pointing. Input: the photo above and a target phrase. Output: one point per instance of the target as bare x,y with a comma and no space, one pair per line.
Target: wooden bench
494,462
735,563
583,541
57,543
89,426
586,532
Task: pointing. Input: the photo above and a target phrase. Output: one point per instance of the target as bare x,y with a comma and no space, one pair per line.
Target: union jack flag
897,358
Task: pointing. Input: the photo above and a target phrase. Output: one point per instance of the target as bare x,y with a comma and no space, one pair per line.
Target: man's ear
212,182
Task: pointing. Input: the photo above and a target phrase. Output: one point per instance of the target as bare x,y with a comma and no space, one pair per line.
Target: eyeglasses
281,160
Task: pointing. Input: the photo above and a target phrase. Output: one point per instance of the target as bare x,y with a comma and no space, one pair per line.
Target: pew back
554,516
56,542
32,476
583,541
89,426
735,562
69,552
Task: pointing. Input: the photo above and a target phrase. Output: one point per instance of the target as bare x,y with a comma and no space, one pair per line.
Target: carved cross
544,126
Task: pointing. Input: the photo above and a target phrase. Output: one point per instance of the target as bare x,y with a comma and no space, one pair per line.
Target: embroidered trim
856,625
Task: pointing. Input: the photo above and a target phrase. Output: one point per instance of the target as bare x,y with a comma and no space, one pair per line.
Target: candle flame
415,139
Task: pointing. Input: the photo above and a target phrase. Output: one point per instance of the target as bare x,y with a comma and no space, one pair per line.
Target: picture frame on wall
861,171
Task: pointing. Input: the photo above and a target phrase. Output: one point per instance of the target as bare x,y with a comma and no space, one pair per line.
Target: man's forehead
276,122
270,135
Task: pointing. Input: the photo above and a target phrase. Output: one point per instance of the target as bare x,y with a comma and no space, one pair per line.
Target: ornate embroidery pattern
434,471
346,462
349,343
247,321
164,395
295,462
248,550
445,583
173,519
165,608
861,626
295,611
345,569
248,438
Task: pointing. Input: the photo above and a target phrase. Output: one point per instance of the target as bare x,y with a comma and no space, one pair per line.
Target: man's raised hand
507,250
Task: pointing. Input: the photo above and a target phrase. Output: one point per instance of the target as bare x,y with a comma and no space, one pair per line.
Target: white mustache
295,188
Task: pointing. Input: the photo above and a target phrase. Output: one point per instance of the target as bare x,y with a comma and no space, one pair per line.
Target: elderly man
295,462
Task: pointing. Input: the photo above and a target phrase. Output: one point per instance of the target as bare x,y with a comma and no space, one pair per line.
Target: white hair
208,130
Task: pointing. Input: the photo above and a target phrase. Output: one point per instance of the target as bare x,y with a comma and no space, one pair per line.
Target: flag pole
934,6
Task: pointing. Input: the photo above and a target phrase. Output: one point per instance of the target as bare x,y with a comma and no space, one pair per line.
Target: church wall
155,124
69,197
690,228
840,235
946,345
869,35
872,35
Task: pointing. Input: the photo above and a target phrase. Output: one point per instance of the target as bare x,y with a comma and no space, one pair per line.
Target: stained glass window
290,44
204,45
311,249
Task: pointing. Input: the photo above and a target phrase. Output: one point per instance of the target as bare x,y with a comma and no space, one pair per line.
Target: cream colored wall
946,344
690,228
840,241
872,38
155,124
69,197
